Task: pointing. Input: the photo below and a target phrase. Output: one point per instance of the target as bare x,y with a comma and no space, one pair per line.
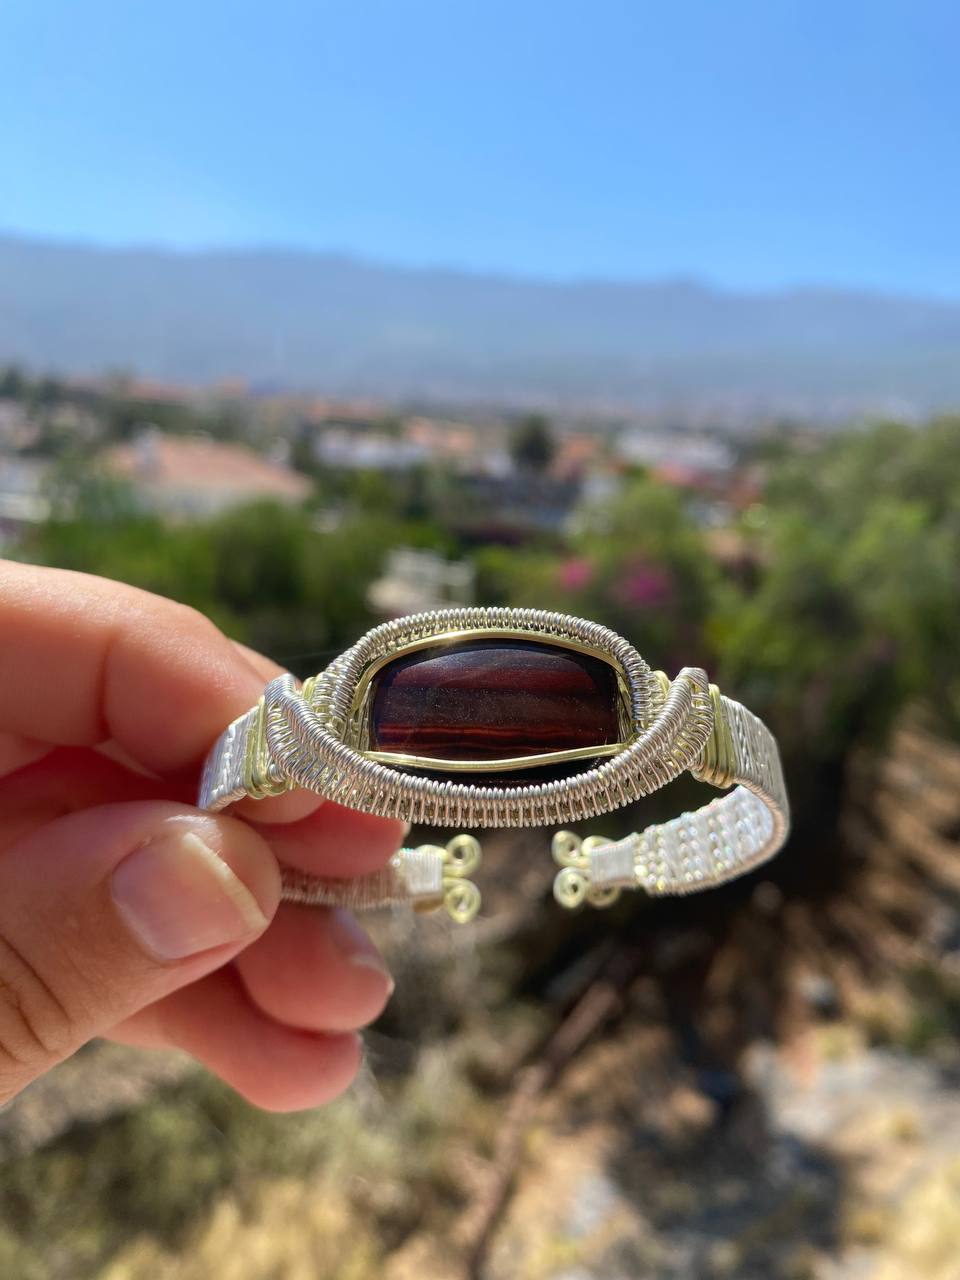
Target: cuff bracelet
510,718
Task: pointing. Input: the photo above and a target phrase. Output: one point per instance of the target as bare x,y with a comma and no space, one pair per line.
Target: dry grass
196,1175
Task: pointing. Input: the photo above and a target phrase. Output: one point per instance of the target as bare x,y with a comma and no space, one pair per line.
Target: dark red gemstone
493,700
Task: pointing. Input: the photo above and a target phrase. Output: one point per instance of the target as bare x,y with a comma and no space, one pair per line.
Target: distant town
497,478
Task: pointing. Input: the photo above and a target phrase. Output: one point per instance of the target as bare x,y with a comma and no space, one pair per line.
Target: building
684,451
23,496
363,450
416,581
194,478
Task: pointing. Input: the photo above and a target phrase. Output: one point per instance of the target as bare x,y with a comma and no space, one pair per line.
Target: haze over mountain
341,326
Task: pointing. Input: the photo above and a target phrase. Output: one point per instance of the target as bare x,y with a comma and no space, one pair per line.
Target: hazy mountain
344,326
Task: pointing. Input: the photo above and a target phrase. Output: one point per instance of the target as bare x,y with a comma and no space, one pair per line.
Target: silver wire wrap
429,876
295,737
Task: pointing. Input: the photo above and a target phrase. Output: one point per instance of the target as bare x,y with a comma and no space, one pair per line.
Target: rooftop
207,472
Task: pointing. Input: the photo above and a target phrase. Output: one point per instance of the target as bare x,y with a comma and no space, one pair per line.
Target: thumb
104,911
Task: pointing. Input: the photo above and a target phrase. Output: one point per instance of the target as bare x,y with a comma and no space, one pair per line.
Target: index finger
84,660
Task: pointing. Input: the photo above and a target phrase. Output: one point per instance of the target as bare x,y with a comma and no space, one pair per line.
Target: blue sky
756,144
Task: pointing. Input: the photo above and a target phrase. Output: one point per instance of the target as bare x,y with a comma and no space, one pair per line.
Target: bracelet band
387,728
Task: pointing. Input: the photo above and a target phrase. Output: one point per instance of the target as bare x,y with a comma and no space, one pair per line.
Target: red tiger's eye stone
493,700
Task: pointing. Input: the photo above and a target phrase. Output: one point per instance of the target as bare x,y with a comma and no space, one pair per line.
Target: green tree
13,382
856,604
637,564
532,443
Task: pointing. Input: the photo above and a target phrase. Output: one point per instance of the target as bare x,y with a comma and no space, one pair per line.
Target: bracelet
510,718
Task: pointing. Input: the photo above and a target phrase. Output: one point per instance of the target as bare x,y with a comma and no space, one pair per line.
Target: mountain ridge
337,324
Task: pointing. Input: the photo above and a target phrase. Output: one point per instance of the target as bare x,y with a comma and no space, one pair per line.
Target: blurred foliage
857,598
270,575
848,611
832,605
850,606
638,564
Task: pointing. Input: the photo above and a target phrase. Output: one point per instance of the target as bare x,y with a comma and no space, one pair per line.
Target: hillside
344,326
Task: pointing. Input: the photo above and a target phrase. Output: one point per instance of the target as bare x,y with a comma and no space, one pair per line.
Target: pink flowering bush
643,586
575,574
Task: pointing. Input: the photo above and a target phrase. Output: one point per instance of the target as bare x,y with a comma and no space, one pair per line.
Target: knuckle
36,1028
154,611
192,626
191,620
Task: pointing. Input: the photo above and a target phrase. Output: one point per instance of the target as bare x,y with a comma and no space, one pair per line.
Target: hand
124,910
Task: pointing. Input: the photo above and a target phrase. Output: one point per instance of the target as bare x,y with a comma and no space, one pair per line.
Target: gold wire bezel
358,724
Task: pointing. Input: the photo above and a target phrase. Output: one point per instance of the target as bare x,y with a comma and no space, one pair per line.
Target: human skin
125,911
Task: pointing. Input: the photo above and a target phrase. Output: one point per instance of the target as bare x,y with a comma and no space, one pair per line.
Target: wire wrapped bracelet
510,718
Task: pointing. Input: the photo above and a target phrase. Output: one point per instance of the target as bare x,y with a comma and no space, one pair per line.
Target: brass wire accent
506,764
719,761
258,781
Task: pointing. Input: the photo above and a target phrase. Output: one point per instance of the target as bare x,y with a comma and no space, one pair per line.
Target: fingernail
178,897
356,947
